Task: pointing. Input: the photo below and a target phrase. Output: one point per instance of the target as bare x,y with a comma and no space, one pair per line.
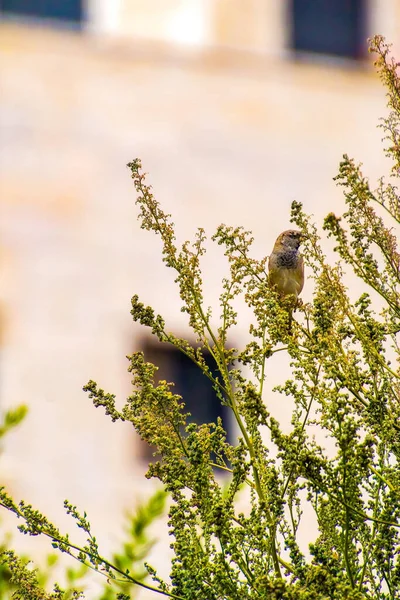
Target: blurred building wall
259,26
232,132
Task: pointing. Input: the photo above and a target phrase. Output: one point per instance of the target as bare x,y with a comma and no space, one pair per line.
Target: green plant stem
221,362
95,558
285,487
347,519
367,553
264,358
390,486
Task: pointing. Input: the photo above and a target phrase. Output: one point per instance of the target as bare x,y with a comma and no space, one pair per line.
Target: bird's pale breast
286,272
287,281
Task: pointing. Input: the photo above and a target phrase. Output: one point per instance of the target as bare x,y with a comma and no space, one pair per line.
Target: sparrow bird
286,266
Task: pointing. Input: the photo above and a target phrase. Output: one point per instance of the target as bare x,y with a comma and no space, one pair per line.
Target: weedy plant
20,579
344,382
12,418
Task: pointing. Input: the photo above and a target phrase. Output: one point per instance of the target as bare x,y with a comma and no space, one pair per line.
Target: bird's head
290,239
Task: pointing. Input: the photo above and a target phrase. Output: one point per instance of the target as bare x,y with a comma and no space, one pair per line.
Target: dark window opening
195,388
332,27
61,10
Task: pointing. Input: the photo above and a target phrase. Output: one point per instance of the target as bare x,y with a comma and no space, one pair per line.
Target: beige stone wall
225,138
253,25
259,26
184,21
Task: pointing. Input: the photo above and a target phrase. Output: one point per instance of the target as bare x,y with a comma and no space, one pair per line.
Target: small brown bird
286,266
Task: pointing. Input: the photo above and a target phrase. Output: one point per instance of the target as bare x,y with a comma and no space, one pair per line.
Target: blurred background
236,108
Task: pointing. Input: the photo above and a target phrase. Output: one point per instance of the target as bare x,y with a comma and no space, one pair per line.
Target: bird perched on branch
286,266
